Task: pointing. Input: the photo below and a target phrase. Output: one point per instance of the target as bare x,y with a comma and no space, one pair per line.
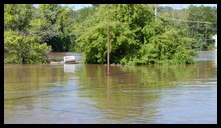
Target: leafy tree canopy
136,37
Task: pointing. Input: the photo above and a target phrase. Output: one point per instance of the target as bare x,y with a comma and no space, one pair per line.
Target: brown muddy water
84,93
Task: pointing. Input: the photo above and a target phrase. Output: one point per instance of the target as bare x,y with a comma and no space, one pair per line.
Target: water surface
84,93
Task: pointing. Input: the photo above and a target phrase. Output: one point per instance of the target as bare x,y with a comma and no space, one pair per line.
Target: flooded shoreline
83,93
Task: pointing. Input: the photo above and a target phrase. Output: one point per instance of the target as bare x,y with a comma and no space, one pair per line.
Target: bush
22,49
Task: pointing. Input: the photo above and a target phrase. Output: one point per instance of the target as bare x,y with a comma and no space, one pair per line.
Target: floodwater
84,93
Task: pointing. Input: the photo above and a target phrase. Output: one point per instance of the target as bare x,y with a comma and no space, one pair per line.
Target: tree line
136,35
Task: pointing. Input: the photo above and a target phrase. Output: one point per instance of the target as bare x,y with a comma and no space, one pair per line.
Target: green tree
84,13
136,37
53,26
19,46
17,17
21,49
202,31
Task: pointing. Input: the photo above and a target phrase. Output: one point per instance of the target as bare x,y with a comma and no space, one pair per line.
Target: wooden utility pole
155,12
108,42
206,32
108,49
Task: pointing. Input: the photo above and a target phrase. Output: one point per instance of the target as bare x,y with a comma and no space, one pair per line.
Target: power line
175,19
190,21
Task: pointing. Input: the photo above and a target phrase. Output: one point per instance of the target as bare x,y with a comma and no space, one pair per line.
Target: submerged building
215,39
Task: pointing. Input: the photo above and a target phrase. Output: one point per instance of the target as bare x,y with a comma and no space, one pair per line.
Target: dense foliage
137,36
21,49
19,46
202,30
52,25
17,17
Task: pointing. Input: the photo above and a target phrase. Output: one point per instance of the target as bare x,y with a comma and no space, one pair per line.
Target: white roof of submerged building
215,38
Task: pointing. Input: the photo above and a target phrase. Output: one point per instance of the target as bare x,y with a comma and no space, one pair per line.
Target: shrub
21,49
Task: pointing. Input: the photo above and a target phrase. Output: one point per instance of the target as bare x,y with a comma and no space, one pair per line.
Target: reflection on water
129,94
